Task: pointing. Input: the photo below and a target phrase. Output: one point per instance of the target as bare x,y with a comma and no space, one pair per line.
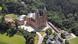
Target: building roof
32,15
20,18
27,28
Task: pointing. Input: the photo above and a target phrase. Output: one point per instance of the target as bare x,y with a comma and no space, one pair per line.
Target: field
11,40
74,41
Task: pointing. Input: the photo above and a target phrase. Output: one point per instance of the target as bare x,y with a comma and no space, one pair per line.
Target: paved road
40,37
28,28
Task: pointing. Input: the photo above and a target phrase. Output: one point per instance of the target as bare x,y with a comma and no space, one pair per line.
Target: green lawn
11,40
36,39
74,41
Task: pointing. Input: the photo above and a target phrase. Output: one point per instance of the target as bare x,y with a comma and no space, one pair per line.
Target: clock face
74,1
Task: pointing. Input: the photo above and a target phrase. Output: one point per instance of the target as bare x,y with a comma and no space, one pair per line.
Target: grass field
74,41
11,40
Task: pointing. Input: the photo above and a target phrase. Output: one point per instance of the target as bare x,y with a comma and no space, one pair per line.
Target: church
37,20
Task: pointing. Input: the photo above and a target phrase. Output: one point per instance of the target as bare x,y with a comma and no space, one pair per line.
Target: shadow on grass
3,42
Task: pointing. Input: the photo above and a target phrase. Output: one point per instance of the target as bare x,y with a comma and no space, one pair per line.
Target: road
40,37
29,29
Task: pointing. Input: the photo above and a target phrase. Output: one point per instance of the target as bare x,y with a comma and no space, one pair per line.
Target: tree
66,42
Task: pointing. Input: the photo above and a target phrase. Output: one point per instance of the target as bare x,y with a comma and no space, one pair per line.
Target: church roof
21,17
32,15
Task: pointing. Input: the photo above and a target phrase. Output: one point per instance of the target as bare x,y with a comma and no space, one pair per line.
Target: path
40,37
